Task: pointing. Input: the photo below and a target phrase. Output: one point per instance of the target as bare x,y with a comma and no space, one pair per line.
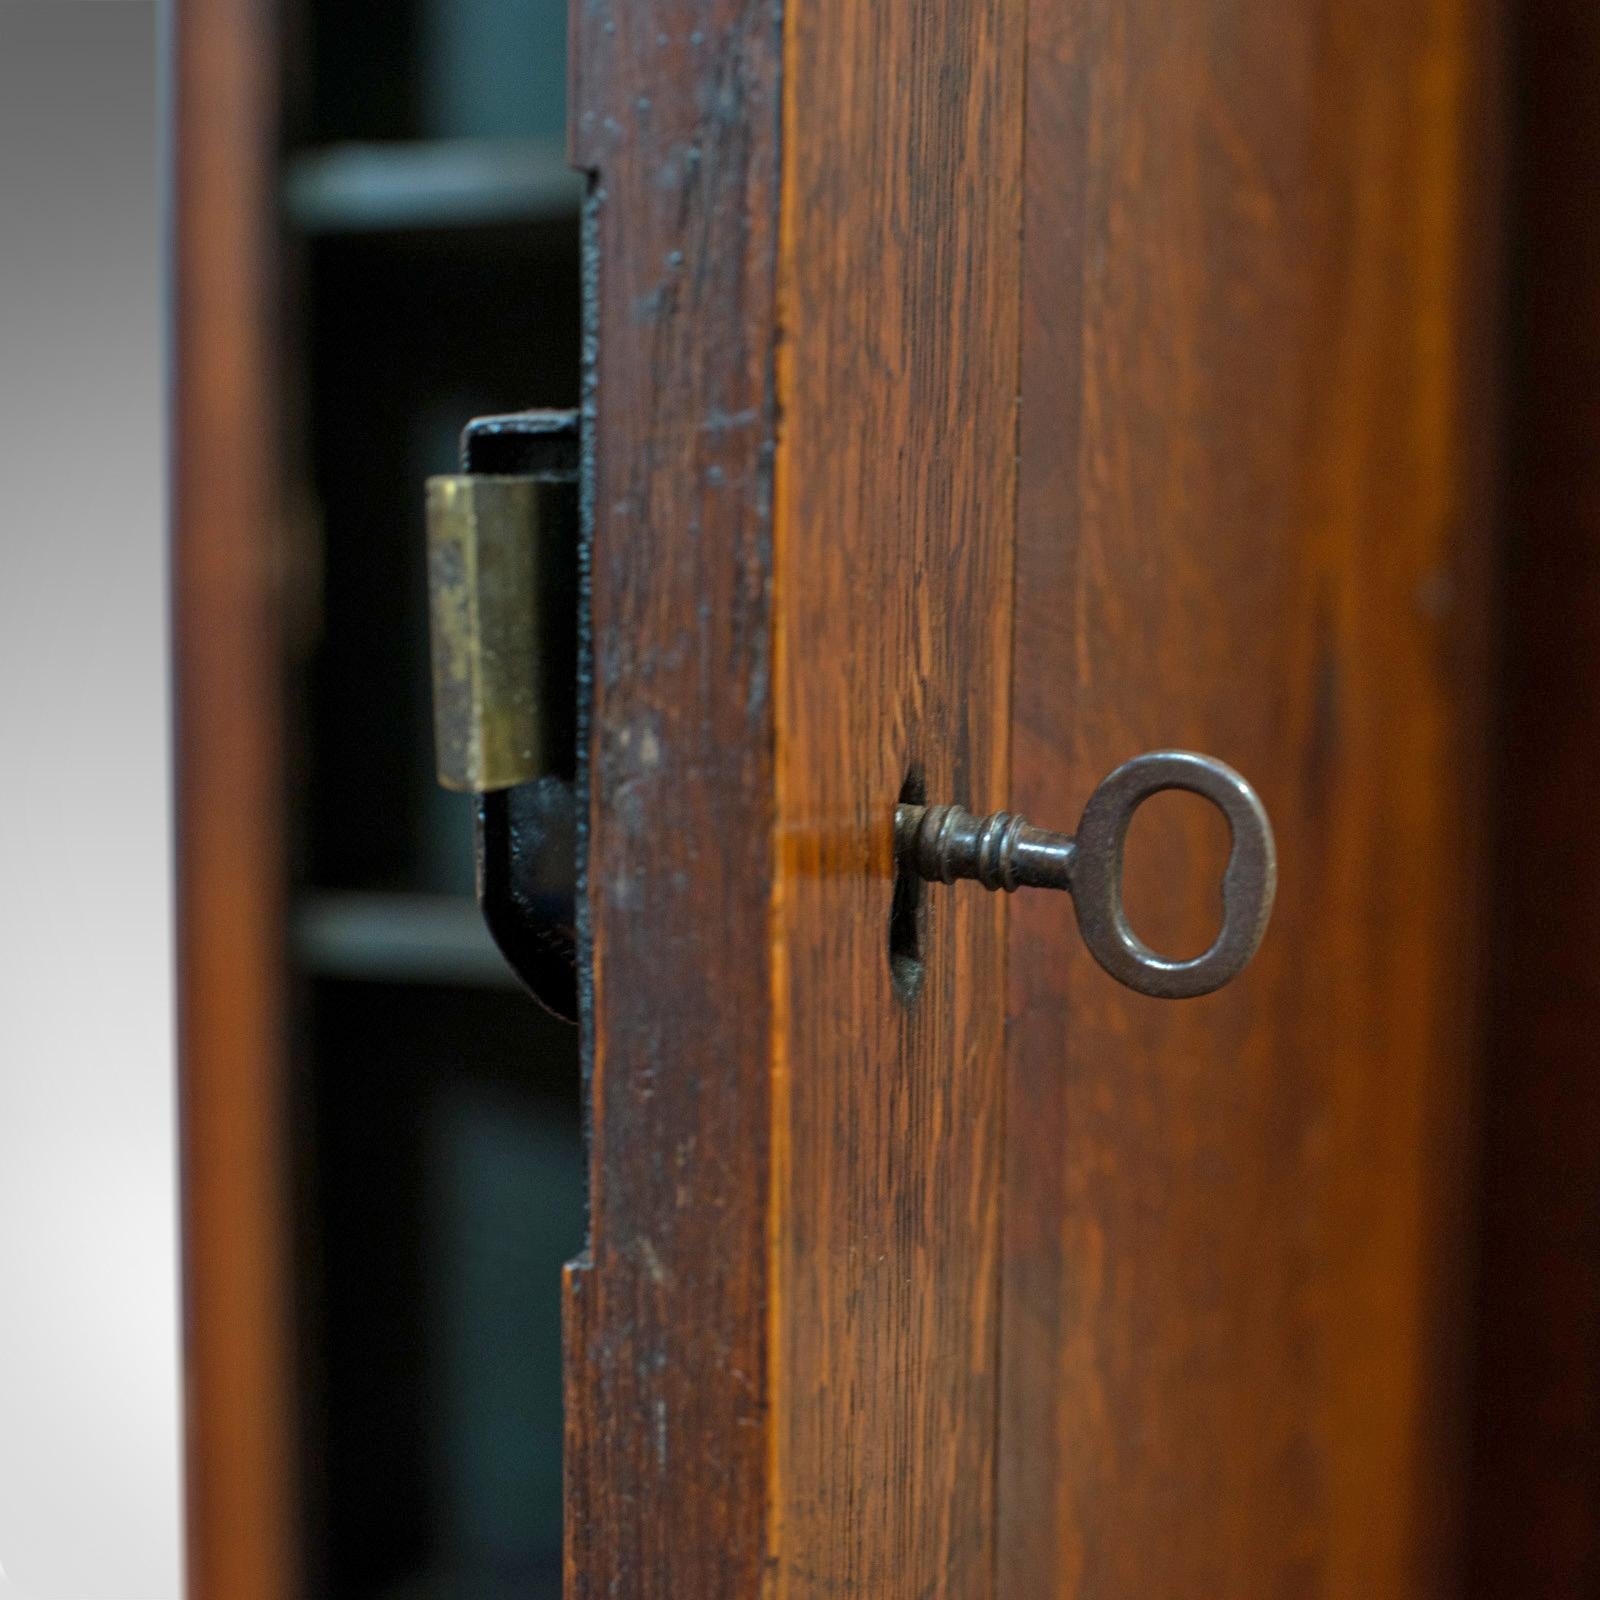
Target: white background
89,1410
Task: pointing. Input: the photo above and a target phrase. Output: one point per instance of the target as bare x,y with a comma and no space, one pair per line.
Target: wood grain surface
899,289
675,110
782,1343
1256,491
1535,1510
227,567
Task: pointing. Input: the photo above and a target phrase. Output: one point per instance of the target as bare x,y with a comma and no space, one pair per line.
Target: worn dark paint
674,111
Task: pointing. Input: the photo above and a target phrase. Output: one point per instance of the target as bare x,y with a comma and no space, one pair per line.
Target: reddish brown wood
1254,519
1536,1487
899,288
675,107
230,846
782,1346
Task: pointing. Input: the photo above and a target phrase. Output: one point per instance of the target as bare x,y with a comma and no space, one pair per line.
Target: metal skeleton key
1003,851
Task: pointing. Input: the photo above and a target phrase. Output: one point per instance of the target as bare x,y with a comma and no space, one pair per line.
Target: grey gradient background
89,1409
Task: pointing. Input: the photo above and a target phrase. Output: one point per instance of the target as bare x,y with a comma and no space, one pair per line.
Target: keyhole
906,912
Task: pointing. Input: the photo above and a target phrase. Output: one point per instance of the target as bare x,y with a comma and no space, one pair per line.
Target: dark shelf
430,184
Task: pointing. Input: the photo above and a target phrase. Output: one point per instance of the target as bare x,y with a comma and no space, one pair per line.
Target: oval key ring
1249,881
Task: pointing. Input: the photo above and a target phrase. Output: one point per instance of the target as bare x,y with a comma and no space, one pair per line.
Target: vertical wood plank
1256,483
675,111
899,286
227,565
782,1342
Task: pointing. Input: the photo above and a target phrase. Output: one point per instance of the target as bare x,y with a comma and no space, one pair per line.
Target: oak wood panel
231,872
899,288
1536,1482
782,1341
1255,496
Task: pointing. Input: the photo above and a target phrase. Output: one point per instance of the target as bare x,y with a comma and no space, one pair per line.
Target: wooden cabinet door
978,395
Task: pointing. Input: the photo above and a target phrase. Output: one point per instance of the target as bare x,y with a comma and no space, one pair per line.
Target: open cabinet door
979,395
975,396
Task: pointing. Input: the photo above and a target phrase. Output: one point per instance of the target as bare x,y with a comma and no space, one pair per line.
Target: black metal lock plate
527,830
